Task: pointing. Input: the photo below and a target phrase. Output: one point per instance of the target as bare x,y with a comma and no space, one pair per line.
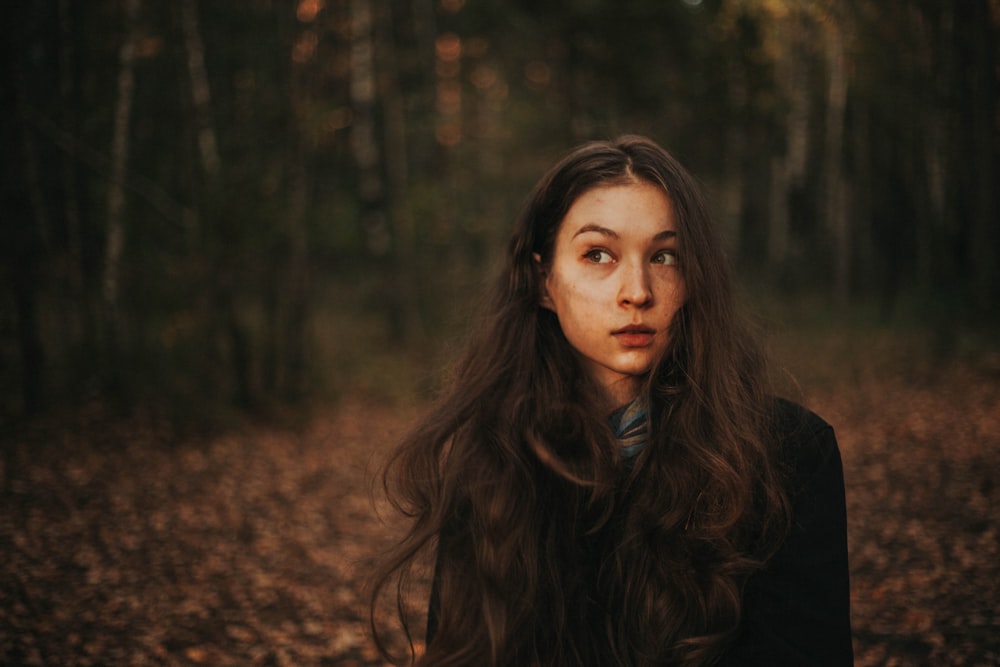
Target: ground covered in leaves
124,545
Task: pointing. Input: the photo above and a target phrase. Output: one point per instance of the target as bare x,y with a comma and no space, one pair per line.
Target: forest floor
121,544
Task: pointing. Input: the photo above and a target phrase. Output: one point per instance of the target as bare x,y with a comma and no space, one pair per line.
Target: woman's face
614,283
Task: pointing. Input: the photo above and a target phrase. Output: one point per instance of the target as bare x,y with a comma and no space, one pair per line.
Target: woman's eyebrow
610,233
604,231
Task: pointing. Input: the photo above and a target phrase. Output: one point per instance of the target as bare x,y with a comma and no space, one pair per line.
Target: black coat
796,610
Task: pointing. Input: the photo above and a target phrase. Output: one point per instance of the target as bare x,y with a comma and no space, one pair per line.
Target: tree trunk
424,149
228,323
861,201
788,172
982,73
835,189
292,373
363,143
732,190
24,279
26,235
296,338
80,313
376,226
778,220
405,289
119,162
733,181
200,89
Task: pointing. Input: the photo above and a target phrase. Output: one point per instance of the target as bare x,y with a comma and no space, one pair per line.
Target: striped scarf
630,424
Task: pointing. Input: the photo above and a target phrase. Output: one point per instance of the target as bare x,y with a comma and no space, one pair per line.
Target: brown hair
550,548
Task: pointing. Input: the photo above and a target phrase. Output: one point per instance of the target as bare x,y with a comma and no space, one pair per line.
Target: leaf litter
123,545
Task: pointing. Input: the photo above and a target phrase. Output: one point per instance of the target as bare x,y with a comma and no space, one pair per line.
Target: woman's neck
622,392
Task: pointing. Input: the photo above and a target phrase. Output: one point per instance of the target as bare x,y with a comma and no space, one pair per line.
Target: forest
241,241
237,206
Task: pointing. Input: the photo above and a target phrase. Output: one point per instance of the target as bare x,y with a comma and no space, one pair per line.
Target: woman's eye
598,256
668,257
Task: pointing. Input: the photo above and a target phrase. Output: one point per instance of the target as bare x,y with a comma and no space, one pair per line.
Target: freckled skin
614,283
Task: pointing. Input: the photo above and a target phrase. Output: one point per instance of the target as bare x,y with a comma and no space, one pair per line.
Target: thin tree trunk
983,236
296,338
861,201
778,224
424,150
788,172
363,142
835,189
292,377
80,311
32,170
733,180
200,89
732,190
229,324
376,225
397,173
918,143
28,333
27,235
119,162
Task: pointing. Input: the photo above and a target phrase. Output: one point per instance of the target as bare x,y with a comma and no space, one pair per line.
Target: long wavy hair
550,548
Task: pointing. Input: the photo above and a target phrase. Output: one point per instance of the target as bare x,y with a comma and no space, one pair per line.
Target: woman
607,479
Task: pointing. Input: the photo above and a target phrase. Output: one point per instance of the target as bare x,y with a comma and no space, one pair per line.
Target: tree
115,242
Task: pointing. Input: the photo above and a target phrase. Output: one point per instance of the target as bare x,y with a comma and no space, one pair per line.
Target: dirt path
124,548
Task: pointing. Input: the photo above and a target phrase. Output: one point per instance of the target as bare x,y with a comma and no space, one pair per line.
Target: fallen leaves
252,549
247,550
920,461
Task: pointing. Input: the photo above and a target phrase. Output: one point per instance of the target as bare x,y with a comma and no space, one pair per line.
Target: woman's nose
635,289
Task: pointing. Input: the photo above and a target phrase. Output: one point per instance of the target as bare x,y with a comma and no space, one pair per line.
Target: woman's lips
634,336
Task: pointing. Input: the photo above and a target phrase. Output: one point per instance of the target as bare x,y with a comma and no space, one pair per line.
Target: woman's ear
544,300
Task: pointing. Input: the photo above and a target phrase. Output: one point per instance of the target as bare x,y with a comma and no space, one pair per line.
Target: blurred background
240,240
221,206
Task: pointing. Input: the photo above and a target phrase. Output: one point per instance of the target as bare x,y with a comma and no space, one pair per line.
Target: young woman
607,480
